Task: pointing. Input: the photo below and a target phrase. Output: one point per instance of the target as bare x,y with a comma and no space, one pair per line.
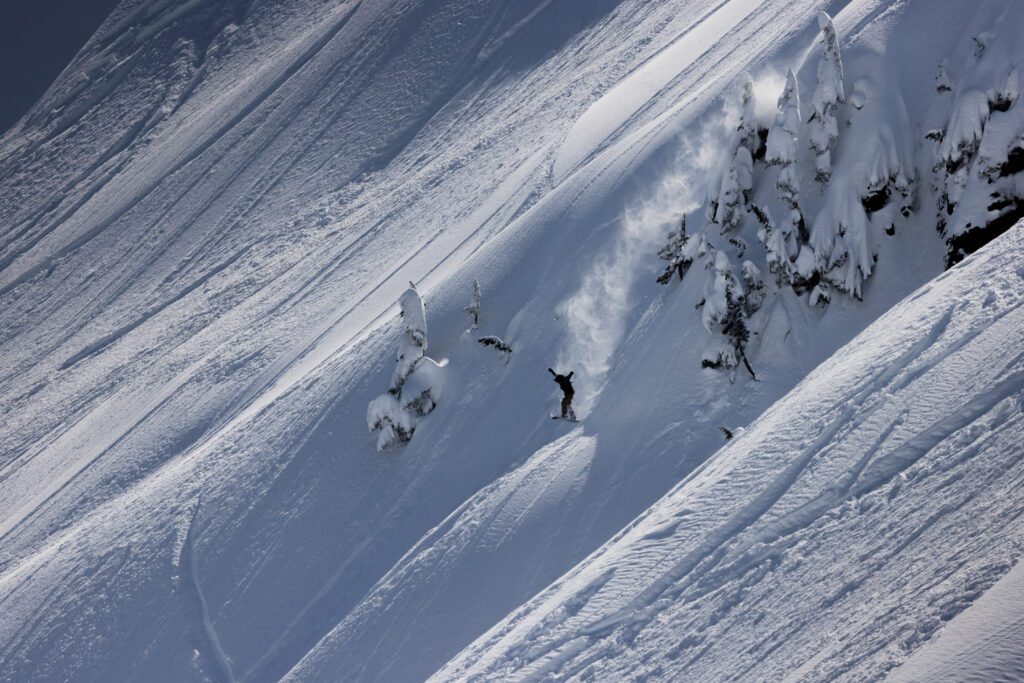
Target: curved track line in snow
189,568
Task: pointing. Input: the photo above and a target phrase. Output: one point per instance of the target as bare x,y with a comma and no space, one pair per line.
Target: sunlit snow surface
205,225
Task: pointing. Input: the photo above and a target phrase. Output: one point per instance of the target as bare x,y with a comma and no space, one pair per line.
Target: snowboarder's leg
566,400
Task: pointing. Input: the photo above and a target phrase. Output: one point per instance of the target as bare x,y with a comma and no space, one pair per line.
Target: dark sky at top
38,38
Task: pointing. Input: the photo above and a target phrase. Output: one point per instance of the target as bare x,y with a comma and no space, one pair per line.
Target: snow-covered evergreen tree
735,191
414,336
1007,93
729,196
724,313
393,425
498,345
823,126
719,281
782,140
422,390
753,283
842,243
782,243
473,309
942,83
415,384
675,253
735,329
749,135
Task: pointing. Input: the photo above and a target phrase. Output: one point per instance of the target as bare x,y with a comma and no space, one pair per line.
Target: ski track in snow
189,568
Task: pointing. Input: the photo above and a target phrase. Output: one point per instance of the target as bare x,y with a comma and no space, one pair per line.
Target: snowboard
567,419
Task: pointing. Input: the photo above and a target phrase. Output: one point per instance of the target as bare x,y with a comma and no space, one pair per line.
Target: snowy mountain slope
653,423
856,516
204,236
163,298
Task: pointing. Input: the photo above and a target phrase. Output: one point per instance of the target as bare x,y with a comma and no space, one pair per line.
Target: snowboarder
567,392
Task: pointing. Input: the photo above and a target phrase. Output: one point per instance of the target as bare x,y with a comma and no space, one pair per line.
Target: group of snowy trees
734,288
417,381
979,149
845,175
788,251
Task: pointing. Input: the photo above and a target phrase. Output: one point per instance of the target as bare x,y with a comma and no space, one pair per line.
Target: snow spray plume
768,85
597,314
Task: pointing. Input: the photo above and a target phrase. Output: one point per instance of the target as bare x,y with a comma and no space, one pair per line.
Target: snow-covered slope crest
867,508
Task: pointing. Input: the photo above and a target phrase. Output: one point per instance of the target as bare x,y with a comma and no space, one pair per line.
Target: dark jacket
563,382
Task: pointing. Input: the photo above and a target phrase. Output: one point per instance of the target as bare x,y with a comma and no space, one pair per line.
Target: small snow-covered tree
735,329
719,281
753,283
823,127
782,243
1008,92
747,130
676,254
729,194
498,345
414,336
966,127
735,191
473,309
942,83
724,314
422,390
842,243
782,140
393,425
415,384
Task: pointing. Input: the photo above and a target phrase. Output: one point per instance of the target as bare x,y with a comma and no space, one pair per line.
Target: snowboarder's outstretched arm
552,372
569,376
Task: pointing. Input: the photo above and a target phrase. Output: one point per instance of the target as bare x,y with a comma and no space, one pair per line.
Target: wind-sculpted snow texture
205,225
868,507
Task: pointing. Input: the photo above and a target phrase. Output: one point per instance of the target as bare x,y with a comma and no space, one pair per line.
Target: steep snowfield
205,225
861,512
